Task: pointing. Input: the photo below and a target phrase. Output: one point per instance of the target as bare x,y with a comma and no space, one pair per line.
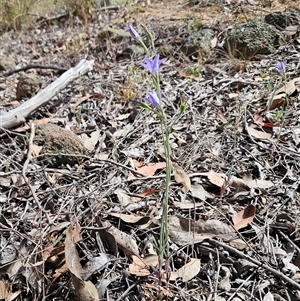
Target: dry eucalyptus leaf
90,142
85,290
95,264
131,218
244,217
123,197
238,183
72,258
184,231
188,271
289,88
258,134
4,290
138,267
263,184
181,177
149,170
124,241
215,178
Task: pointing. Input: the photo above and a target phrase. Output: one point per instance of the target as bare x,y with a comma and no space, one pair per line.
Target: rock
249,39
131,51
28,85
115,35
283,19
198,42
7,63
56,142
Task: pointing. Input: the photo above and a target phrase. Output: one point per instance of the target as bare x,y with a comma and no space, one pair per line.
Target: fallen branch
17,116
258,264
62,70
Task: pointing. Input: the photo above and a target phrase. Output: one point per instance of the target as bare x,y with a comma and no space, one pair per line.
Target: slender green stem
164,244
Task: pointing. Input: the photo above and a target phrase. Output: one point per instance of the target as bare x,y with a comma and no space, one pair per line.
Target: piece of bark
17,116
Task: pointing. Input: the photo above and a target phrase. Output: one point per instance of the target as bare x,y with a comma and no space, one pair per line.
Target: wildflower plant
153,102
281,68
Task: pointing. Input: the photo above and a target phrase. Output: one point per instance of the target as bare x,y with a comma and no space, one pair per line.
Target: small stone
28,85
58,145
7,63
198,43
283,19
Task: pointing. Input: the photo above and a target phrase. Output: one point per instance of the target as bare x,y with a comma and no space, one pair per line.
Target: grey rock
283,19
115,35
198,42
133,51
252,38
7,63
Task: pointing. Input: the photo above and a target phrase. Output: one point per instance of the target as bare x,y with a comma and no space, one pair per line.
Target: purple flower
152,99
133,33
152,65
280,67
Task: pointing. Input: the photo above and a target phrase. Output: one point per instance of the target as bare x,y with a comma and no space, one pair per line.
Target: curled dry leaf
244,217
124,241
283,94
289,88
183,231
263,184
181,177
85,290
188,271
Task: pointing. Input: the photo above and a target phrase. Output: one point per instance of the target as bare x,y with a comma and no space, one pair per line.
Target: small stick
29,156
8,73
257,263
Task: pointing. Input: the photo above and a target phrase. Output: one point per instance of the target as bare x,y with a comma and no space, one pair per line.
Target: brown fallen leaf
138,267
257,118
258,134
188,271
124,241
84,98
148,170
85,290
181,177
131,218
244,217
4,290
215,178
257,183
278,101
184,231
289,88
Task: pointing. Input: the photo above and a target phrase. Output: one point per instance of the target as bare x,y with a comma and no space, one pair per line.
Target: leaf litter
234,189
